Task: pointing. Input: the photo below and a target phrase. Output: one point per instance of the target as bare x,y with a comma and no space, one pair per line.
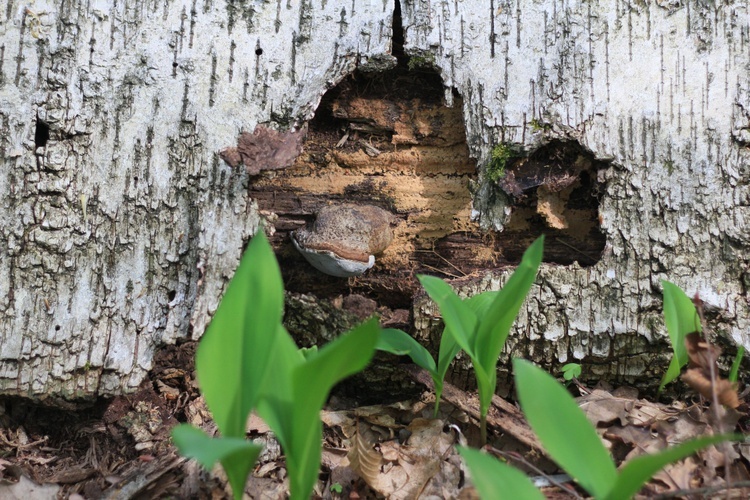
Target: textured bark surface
120,224
660,90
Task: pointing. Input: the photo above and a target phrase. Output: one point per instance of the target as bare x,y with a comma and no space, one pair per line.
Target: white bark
659,88
118,236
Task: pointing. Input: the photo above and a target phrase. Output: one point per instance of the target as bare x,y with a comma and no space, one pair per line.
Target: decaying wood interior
388,140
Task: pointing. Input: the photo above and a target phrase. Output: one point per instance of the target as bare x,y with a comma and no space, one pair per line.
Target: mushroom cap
344,239
331,264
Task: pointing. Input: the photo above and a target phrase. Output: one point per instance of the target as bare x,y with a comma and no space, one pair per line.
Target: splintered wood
401,150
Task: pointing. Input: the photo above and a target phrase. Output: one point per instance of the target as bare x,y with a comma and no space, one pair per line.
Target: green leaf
237,455
482,302
639,470
446,353
277,399
495,480
495,324
233,356
735,371
571,371
673,371
486,383
563,429
459,319
312,382
402,344
681,318
449,347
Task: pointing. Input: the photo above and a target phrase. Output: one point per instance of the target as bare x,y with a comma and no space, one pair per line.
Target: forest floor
120,448
388,141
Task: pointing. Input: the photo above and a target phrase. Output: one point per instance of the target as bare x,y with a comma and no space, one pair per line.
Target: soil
120,448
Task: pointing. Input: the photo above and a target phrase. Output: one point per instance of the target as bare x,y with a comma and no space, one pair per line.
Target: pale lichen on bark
119,230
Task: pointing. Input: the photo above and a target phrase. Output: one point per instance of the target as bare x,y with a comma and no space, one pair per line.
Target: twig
714,395
440,271
576,250
444,259
19,446
702,491
518,458
501,416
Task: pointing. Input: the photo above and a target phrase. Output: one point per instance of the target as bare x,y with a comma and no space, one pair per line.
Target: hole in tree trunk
387,139
41,134
554,190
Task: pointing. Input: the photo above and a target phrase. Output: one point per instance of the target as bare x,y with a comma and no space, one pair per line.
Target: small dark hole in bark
258,52
41,134
397,42
57,328
174,64
171,295
135,179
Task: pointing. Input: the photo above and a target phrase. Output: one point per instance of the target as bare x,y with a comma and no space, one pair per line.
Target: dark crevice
41,134
397,43
554,191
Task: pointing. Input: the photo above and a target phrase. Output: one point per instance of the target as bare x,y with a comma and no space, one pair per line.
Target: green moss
537,125
421,61
670,166
501,153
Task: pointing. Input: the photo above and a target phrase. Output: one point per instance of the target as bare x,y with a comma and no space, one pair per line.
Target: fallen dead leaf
364,460
702,374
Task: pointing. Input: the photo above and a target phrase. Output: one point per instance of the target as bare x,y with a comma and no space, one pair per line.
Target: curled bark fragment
265,149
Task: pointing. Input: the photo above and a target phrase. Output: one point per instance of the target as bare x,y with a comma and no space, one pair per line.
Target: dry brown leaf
678,476
603,409
256,425
364,460
701,353
700,383
390,450
698,375
265,149
641,440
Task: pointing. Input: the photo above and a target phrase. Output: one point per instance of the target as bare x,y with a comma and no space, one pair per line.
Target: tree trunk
622,131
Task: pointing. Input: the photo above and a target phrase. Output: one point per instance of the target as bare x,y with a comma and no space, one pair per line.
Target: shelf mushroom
344,239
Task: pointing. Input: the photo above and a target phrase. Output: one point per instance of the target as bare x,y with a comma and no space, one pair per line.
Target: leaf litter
121,450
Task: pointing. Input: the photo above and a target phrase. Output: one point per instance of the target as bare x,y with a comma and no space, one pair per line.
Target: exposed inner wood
388,140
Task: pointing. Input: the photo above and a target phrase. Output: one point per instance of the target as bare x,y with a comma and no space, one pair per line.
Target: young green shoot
495,479
493,311
735,371
571,371
681,318
480,326
572,442
247,359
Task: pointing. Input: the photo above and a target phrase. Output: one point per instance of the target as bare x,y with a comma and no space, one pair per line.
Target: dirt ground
120,448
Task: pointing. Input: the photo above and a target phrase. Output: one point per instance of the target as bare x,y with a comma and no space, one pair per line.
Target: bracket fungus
344,239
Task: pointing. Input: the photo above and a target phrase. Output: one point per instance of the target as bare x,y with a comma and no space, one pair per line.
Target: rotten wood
389,140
